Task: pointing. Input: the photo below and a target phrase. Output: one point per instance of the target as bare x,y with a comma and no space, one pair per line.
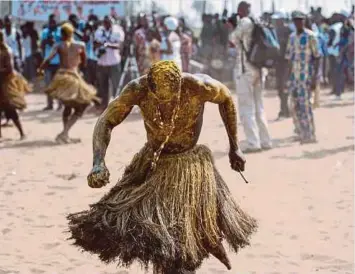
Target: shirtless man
171,208
13,87
68,86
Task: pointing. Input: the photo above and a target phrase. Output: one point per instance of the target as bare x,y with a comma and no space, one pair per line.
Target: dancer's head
67,31
164,78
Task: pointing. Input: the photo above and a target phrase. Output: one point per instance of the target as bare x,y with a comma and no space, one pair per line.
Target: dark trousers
90,72
29,69
107,74
281,79
48,76
333,72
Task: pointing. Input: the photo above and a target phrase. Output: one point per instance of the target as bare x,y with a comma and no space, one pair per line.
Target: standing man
283,33
30,45
50,36
303,56
13,40
249,86
108,40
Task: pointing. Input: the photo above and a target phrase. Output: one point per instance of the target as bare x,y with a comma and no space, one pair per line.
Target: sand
301,195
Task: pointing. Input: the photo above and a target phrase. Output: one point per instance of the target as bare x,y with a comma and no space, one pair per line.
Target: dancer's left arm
215,92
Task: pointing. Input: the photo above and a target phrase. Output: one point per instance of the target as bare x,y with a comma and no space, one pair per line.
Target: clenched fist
99,176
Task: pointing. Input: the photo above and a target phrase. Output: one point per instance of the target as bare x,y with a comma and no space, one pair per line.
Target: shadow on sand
28,144
318,154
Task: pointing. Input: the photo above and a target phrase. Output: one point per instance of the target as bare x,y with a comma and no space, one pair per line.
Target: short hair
67,29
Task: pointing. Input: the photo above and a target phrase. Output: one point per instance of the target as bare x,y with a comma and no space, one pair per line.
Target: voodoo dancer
171,208
67,85
13,88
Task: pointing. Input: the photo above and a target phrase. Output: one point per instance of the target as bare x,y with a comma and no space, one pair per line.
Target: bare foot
62,139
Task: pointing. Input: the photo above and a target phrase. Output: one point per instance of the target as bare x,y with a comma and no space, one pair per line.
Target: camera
101,51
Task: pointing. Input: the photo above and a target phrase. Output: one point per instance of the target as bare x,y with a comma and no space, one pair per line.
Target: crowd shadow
276,143
338,104
29,144
318,154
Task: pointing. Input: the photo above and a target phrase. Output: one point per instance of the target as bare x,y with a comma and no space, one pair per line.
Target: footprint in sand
36,271
5,231
51,246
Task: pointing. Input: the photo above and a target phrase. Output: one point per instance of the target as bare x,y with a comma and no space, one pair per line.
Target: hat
171,23
278,15
298,15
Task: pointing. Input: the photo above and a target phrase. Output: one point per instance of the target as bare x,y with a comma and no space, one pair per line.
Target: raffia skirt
13,89
70,88
170,217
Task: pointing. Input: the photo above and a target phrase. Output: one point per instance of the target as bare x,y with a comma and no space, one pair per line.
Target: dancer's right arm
49,58
114,114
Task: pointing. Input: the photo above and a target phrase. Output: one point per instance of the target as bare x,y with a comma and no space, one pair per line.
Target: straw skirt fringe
70,88
170,218
13,90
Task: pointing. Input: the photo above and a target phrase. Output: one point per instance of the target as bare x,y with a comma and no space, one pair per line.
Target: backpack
264,50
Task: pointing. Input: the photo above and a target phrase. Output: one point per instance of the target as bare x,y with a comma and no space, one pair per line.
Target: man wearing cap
283,33
170,47
249,86
303,55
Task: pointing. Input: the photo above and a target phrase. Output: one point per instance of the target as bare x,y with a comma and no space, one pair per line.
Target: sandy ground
301,195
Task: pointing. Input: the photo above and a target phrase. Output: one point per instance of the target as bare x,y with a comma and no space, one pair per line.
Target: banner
39,10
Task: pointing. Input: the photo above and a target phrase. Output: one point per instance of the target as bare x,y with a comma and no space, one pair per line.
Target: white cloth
241,37
171,23
11,41
114,35
251,111
176,47
27,47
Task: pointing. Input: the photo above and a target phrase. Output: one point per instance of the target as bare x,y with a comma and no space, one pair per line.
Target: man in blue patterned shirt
50,36
303,55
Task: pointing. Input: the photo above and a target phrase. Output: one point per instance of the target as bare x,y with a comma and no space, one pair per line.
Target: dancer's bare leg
62,138
13,115
70,121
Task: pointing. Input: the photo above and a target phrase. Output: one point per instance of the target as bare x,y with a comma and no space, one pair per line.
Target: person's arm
288,57
316,56
169,50
49,58
19,45
115,114
332,35
7,66
215,92
83,56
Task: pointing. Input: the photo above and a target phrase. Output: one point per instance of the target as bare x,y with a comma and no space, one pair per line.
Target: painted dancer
13,87
67,85
171,208
303,55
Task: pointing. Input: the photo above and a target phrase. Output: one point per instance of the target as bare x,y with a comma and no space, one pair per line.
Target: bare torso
71,54
187,126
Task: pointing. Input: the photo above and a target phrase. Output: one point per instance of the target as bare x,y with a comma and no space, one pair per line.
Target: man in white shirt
249,86
108,40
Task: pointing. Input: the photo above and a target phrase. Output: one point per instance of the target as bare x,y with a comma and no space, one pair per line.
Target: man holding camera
108,40
50,36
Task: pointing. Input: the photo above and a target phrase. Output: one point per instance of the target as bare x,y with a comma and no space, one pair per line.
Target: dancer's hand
99,176
237,160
